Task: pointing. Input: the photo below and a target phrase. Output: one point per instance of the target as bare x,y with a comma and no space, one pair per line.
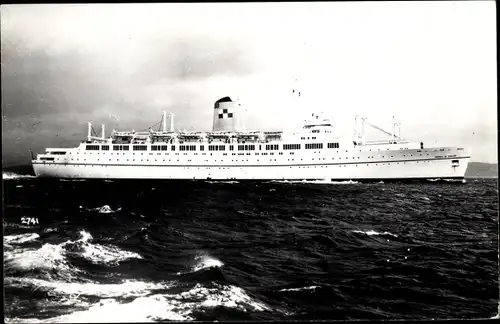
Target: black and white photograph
268,161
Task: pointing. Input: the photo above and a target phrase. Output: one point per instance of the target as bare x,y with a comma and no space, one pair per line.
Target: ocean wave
226,296
17,226
206,261
202,262
109,255
300,289
99,254
53,257
153,307
49,257
105,209
316,181
142,309
12,176
222,181
372,232
127,288
20,238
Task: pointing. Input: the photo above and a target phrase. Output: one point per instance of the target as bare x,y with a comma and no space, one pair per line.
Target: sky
432,65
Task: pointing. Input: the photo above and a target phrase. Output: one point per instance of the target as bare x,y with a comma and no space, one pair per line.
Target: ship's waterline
313,152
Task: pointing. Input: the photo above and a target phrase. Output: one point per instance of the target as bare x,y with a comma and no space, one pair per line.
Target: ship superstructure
230,152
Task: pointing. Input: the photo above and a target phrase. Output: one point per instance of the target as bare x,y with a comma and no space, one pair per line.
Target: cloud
192,58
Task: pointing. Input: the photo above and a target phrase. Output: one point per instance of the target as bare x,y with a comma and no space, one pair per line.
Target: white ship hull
229,153
424,167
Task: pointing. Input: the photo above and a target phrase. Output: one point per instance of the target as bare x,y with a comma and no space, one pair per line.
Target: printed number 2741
29,220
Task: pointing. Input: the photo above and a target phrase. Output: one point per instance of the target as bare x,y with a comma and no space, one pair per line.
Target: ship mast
171,122
89,132
356,128
363,130
164,120
393,131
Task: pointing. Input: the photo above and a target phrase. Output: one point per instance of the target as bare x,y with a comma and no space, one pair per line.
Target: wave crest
7,175
20,238
372,232
151,307
53,257
206,261
316,181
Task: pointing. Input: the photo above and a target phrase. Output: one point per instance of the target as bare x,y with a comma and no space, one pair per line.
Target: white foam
317,181
14,225
97,253
372,232
109,255
12,176
52,257
20,238
206,261
127,288
221,181
300,289
156,307
142,309
104,209
48,257
226,296
86,237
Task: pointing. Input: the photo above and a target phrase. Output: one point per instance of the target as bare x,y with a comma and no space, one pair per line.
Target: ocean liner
229,152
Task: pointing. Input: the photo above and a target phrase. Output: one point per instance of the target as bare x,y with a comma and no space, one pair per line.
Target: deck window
291,146
271,147
314,146
246,147
92,147
187,148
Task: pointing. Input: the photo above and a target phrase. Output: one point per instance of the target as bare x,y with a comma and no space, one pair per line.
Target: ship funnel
103,134
171,122
89,131
228,116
